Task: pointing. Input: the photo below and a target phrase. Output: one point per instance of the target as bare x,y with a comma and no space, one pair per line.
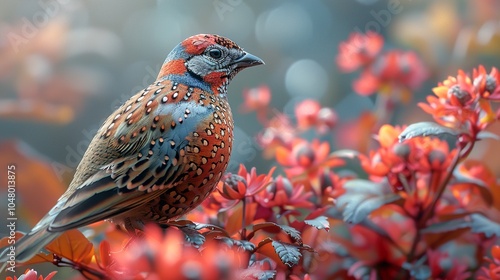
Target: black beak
247,60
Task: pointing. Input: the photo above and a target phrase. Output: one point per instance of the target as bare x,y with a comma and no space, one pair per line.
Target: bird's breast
207,124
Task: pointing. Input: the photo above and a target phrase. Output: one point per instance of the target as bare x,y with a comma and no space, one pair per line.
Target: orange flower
458,102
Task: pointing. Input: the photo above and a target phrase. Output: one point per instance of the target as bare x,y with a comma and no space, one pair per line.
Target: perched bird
160,154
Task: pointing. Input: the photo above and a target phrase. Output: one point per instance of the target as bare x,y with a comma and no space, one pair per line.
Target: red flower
305,161
488,85
370,250
402,68
243,184
395,74
278,133
310,114
31,274
358,51
256,99
331,184
307,113
165,256
492,271
212,206
458,270
284,194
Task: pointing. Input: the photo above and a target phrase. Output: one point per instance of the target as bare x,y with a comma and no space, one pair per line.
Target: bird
160,154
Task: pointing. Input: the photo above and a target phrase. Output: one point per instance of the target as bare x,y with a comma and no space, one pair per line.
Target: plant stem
421,219
243,222
442,187
59,262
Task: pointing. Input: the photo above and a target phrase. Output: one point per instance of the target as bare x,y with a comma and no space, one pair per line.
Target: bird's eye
215,53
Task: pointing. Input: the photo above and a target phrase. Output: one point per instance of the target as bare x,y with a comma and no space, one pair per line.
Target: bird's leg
130,226
164,227
134,228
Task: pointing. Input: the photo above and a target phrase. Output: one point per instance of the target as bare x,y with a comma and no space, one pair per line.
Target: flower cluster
394,73
492,271
403,162
30,274
465,102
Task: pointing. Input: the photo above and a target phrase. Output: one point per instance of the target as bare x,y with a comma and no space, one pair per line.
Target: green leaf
320,222
423,129
241,244
258,270
418,270
478,223
193,237
362,197
482,224
487,135
346,153
447,226
288,253
293,233
275,228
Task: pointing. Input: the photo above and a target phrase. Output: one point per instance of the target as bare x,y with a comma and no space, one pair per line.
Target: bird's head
208,61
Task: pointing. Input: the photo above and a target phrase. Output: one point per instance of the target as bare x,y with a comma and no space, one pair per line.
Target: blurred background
65,65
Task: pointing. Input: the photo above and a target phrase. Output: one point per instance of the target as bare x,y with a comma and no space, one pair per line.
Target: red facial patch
198,43
174,67
215,80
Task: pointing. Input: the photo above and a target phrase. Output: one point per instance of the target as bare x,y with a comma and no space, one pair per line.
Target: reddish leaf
234,222
74,246
50,275
104,256
37,184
